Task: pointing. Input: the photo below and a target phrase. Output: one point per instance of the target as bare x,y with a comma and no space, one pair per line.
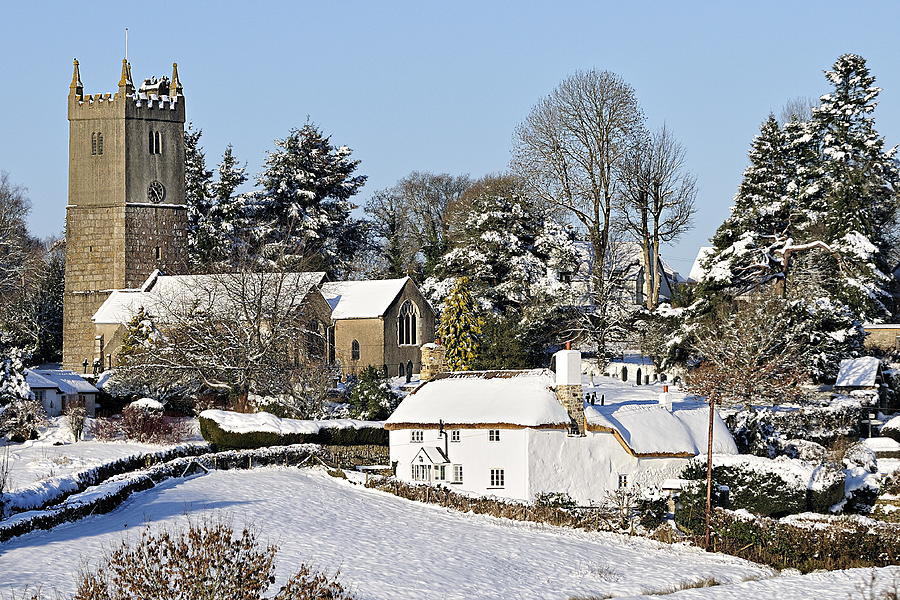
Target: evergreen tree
371,397
303,209
197,180
219,232
138,334
858,180
461,327
13,386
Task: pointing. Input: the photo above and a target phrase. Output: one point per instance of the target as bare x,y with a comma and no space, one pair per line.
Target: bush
554,500
766,487
371,397
772,431
207,560
22,418
141,424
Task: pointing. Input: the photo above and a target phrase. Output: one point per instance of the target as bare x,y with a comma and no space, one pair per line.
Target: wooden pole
709,469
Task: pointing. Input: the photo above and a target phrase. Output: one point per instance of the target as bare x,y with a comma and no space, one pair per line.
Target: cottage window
457,474
354,350
497,478
440,472
416,436
39,395
406,325
82,399
454,435
493,435
623,480
421,472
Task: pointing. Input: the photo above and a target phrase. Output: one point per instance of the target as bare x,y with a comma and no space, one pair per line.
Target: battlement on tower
156,95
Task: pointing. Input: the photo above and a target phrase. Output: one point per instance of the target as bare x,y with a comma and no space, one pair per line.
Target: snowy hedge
761,486
56,489
891,429
767,431
258,430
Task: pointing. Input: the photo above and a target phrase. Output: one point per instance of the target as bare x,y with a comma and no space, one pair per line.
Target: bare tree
14,239
657,201
243,333
391,218
571,149
749,355
797,109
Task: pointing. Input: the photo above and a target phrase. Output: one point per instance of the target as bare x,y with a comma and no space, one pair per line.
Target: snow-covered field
41,459
387,547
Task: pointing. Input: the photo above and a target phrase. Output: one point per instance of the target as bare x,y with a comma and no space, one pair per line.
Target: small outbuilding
55,389
863,373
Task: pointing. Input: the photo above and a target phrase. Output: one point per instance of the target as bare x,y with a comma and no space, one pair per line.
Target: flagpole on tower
126,43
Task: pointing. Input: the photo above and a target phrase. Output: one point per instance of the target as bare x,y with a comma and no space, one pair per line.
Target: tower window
406,325
154,142
94,144
158,252
99,142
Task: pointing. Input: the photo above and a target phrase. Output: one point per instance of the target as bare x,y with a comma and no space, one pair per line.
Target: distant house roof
368,299
858,372
697,270
161,292
67,382
521,398
649,429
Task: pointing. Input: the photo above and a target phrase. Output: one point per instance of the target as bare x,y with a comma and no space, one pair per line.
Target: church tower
126,214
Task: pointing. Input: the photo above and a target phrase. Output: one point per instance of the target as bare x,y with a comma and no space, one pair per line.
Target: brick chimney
568,387
433,360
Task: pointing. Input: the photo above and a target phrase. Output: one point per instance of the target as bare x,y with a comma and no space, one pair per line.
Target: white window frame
493,435
497,478
623,480
416,436
440,472
457,474
454,435
421,472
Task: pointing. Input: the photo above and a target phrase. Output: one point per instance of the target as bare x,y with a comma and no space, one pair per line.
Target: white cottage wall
588,467
476,453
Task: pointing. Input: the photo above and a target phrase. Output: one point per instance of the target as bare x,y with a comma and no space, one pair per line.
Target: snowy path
385,547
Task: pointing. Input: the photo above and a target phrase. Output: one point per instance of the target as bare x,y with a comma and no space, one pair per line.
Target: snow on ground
36,460
385,547
821,585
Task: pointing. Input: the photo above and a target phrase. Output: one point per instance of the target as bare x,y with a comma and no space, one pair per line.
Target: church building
126,215
126,239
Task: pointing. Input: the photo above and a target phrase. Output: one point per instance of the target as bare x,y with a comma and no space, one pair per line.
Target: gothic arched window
354,350
406,325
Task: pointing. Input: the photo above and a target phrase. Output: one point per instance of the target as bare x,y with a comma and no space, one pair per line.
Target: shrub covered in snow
21,419
371,397
773,431
207,560
142,421
891,429
768,487
258,430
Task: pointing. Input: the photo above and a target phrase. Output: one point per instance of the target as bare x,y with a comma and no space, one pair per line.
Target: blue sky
432,86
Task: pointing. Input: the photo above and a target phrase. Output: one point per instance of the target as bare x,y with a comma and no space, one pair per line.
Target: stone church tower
126,214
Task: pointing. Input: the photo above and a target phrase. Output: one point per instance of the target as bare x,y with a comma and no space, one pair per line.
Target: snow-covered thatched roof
521,398
858,372
160,294
368,299
650,429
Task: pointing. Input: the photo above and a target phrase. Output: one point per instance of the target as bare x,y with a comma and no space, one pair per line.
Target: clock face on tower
156,192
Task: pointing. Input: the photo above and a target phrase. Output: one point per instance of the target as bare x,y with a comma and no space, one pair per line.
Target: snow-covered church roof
368,299
517,398
647,428
161,293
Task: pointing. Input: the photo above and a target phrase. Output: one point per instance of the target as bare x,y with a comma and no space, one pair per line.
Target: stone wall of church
155,238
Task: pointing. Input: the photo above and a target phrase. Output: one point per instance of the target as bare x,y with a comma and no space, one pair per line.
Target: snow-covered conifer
371,397
197,179
303,207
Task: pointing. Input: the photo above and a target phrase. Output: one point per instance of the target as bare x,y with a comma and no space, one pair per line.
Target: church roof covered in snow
858,372
647,428
368,299
161,294
512,398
